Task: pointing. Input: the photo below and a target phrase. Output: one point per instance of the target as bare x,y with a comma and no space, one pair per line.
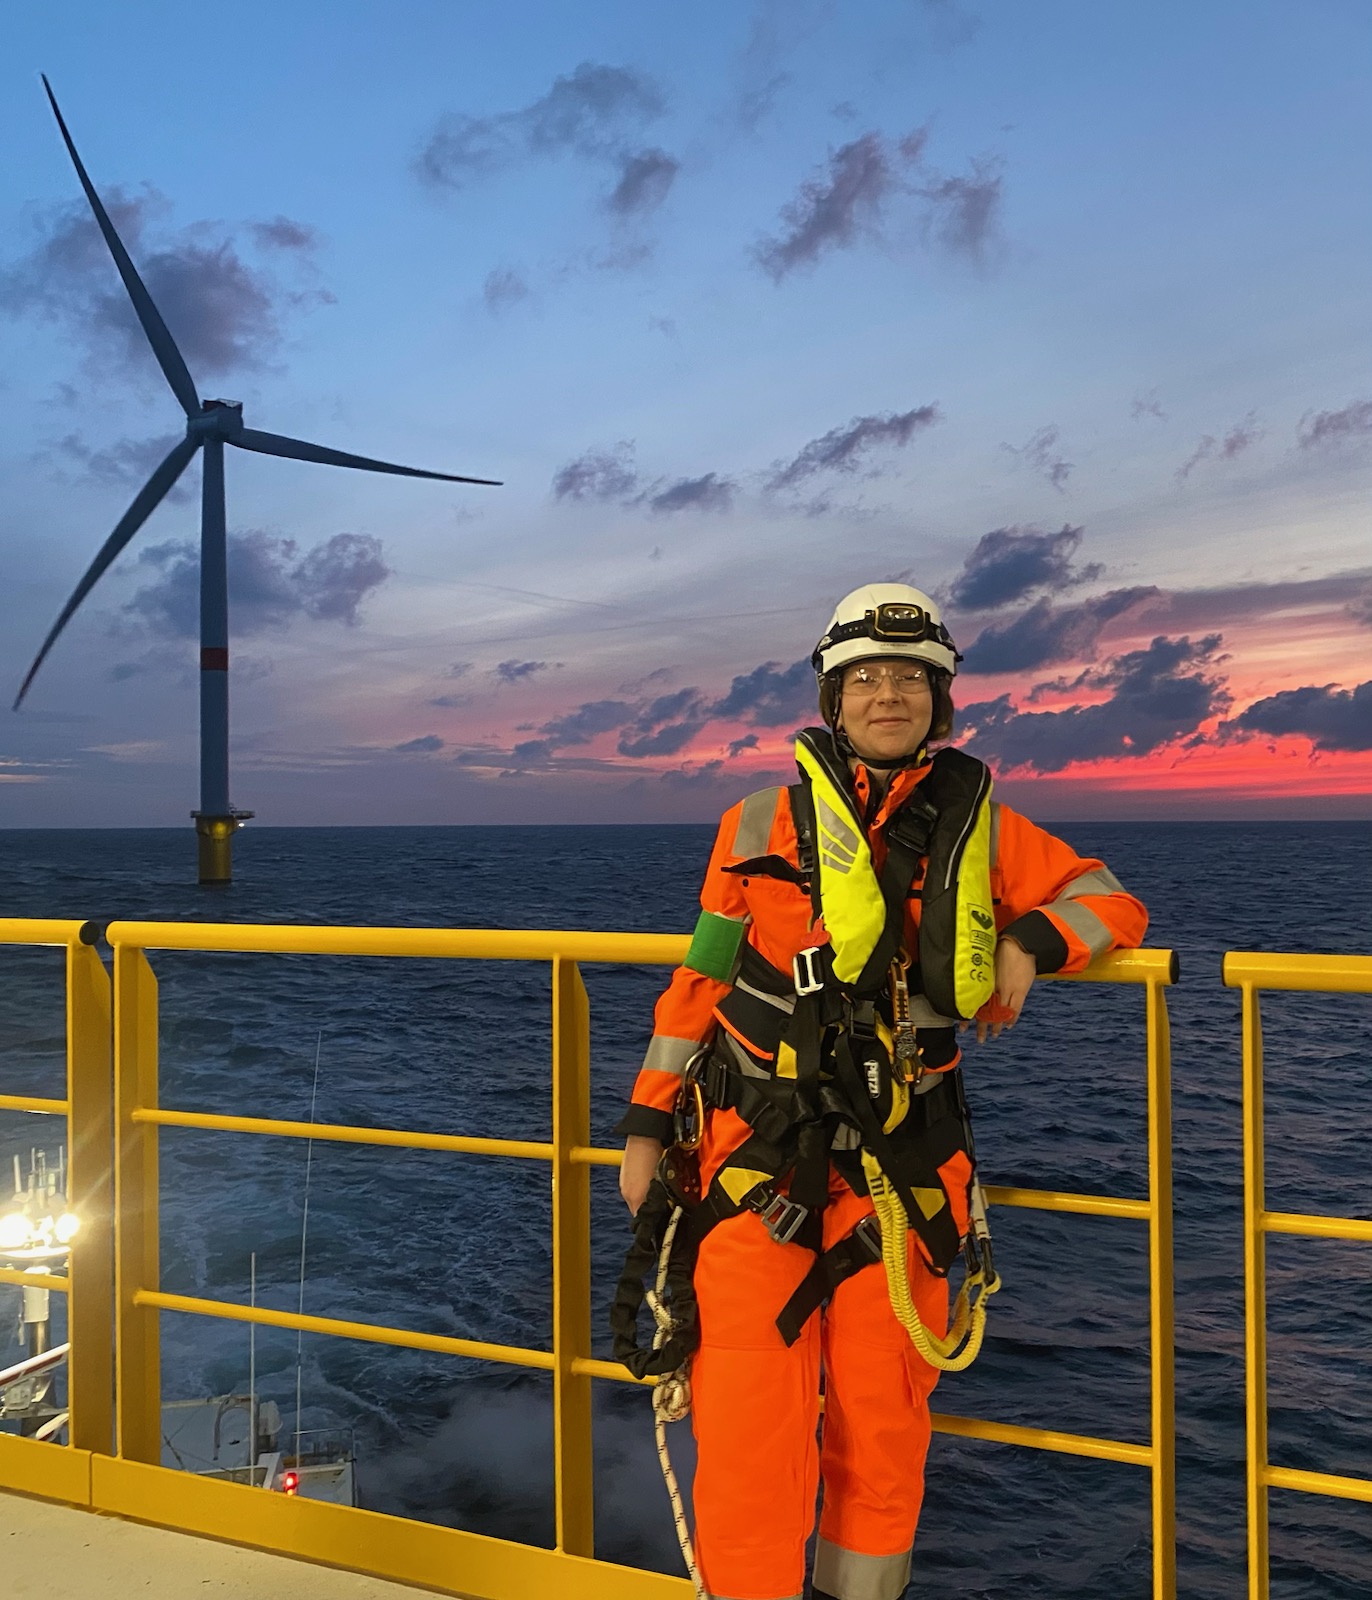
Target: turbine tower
210,425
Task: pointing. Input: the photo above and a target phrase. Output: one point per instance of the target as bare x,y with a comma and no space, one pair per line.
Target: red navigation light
290,1482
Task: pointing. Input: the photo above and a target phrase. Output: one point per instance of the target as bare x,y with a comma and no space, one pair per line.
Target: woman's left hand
1016,970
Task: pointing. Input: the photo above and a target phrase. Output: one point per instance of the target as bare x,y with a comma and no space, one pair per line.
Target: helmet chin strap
896,764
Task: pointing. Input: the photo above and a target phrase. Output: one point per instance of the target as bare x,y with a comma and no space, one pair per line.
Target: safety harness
847,1058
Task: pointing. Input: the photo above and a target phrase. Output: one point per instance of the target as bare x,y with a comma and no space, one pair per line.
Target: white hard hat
885,619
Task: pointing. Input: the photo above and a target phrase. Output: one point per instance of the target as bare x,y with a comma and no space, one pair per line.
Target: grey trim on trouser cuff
849,1575
666,1054
755,824
1084,923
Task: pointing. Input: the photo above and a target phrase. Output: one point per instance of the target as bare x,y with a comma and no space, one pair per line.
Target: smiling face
886,707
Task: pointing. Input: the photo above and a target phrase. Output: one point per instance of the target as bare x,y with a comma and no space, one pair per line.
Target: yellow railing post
90,1193
1160,1277
1255,1294
138,1372
572,1261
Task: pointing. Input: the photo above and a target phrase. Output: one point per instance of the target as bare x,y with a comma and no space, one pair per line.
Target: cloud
778,28
702,776
965,212
1045,633
652,726
610,476
517,671
1330,717
588,721
429,742
126,461
1147,405
224,311
1322,428
844,449
270,583
644,181
504,287
834,210
1008,564
1239,438
598,475
1157,695
1040,453
770,696
282,233
710,493
591,112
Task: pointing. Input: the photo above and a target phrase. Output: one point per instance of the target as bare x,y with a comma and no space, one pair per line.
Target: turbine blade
145,502
276,444
163,345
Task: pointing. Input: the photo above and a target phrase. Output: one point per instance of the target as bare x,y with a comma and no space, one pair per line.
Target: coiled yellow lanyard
959,1348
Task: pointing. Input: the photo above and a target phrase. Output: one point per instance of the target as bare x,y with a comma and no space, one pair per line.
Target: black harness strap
839,1262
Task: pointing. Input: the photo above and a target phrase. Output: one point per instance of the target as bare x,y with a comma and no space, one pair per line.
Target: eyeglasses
865,679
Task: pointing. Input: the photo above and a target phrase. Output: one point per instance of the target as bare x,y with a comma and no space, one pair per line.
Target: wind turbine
210,425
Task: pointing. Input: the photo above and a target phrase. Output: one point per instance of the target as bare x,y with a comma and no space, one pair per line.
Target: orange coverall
756,1401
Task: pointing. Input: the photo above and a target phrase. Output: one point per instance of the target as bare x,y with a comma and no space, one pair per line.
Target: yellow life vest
957,938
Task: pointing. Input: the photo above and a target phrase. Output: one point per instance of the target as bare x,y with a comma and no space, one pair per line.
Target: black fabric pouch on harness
641,1268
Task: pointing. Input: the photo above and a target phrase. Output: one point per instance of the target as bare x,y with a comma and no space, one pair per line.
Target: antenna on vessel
304,1231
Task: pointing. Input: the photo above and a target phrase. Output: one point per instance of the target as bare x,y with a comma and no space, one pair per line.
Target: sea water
459,1245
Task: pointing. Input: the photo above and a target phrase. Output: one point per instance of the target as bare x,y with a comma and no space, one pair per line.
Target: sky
1060,313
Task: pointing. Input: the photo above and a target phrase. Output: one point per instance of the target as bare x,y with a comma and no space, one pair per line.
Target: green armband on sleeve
714,946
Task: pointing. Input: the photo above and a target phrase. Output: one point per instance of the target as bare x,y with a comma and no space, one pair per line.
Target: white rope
671,1403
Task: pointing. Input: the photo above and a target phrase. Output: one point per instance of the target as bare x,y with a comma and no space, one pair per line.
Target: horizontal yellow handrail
503,944
509,1355
46,930
1308,974
29,1102
1068,1444
1086,1205
470,944
342,1133
33,1280
1318,1483
1312,1227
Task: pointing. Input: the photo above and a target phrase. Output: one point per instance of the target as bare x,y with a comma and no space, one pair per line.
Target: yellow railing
133,1483
1251,973
63,1471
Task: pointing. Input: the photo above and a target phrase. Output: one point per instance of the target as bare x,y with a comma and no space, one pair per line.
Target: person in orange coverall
885,667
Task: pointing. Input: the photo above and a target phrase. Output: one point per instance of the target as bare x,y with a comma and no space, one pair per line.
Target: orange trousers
756,1413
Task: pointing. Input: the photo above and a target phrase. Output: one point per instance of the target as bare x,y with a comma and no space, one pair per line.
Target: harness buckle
807,971
868,1232
783,1218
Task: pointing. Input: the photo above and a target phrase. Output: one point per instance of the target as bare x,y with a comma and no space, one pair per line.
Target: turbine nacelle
218,419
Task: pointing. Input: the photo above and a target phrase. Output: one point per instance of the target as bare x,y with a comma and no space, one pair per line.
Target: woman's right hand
641,1156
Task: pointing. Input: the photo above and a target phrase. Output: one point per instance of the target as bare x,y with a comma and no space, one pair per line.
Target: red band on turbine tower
214,658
